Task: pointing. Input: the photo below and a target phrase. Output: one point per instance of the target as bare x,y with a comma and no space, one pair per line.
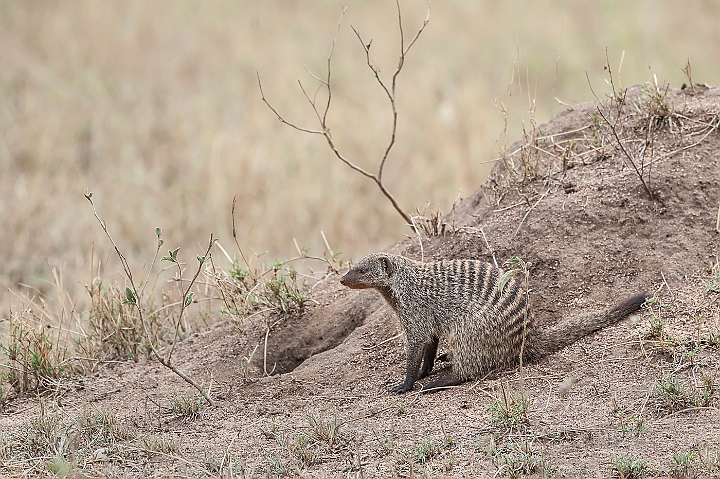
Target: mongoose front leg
429,358
414,356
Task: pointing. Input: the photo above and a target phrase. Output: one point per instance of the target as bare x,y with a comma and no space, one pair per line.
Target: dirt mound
606,200
592,233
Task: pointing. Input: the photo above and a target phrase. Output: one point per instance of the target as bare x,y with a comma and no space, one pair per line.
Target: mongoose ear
386,264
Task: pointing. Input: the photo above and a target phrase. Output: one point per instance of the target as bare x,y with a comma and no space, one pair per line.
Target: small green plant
631,425
100,428
677,397
628,467
656,330
657,108
134,296
305,447
167,445
36,359
426,450
710,459
277,466
115,331
487,444
673,393
324,430
219,467
683,467
274,287
519,460
300,448
510,411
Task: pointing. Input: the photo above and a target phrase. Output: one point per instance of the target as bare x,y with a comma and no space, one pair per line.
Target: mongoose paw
401,388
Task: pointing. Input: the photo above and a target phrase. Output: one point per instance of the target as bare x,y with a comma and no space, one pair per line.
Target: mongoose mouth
351,281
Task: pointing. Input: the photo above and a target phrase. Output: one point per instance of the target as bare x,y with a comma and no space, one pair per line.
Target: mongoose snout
486,328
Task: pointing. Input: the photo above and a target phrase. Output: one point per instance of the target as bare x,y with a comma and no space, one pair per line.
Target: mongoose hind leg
429,358
442,383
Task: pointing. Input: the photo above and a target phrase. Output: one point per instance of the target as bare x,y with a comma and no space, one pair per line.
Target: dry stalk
321,111
618,100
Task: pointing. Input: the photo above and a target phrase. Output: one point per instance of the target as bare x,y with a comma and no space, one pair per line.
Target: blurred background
154,107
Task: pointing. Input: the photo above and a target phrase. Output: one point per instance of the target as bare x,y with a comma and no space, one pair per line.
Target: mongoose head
373,271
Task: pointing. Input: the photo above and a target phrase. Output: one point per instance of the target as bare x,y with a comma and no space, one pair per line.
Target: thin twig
184,304
370,348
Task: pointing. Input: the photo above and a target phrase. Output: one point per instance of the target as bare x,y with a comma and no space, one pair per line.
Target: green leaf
505,278
160,242
189,298
130,295
172,255
158,231
200,258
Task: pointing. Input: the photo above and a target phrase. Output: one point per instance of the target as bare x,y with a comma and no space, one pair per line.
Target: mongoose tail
547,341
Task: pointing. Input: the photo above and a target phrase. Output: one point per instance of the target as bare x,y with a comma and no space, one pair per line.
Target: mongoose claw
401,388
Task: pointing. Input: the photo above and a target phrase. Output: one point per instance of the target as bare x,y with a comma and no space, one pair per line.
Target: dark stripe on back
495,294
473,278
464,281
510,295
515,316
486,283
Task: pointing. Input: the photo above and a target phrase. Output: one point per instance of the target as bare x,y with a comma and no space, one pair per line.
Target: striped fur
460,301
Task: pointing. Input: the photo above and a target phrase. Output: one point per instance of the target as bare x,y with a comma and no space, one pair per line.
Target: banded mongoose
460,301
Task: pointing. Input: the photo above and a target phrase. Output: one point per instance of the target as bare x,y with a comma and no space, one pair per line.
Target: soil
569,201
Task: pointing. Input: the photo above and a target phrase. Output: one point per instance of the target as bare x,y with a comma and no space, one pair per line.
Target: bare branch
312,103
389,92
375,69
345,160
279,117
417,35
320,80
234,234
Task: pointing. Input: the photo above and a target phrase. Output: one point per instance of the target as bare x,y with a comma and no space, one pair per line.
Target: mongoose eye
362,270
